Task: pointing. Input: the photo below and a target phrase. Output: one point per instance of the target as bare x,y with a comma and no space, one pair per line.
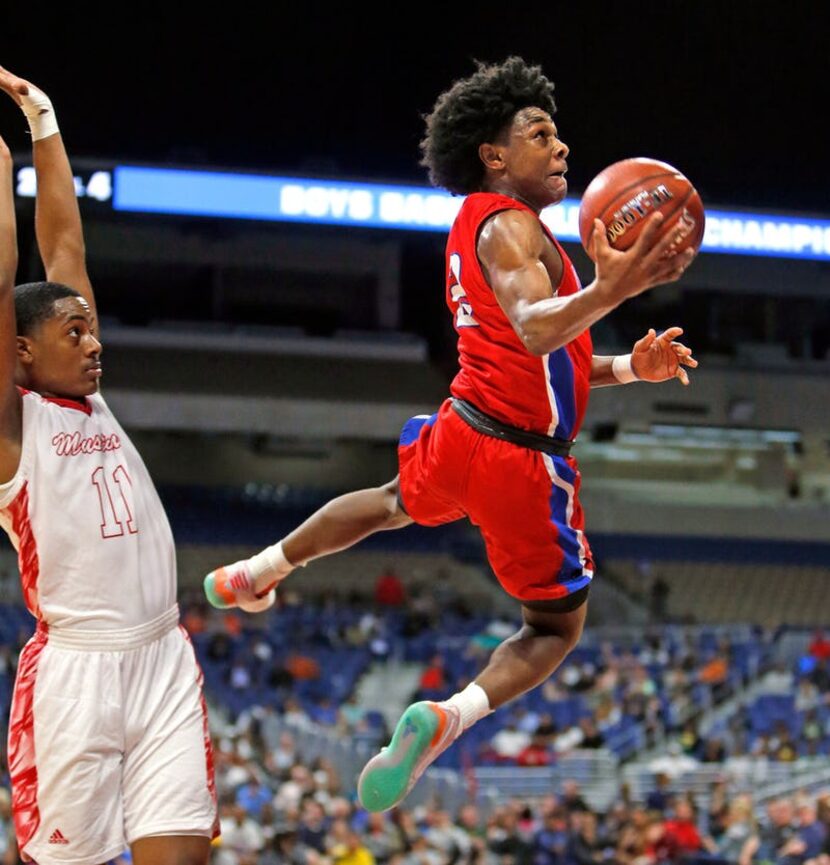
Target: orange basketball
626,193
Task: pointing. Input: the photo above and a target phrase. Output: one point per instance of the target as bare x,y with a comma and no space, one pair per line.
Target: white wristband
39,112
623,370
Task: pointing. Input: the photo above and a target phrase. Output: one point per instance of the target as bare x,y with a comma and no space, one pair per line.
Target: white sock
269,567
473,704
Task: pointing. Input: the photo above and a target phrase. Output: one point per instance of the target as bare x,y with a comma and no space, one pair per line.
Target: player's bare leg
426,729
526,659
336,526
171,850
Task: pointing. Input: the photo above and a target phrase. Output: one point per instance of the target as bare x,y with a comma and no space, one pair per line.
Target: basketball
626,193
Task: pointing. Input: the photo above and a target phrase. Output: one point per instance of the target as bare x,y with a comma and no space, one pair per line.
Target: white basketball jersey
93,541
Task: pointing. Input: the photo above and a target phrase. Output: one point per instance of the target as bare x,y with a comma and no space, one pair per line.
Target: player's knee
186,857
565,627
171,850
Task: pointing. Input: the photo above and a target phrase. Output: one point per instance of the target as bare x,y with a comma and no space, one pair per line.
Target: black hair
474,111
34,302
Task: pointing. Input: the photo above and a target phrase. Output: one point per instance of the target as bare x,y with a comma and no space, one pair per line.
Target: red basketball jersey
546,394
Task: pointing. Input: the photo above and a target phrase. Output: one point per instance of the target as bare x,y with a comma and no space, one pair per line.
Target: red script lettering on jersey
72,444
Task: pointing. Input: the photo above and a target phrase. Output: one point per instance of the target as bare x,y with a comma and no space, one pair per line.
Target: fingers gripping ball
626,193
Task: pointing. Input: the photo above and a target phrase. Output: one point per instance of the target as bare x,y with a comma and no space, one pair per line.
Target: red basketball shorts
525,502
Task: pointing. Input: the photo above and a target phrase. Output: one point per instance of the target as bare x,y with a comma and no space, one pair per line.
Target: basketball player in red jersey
497,451
108,741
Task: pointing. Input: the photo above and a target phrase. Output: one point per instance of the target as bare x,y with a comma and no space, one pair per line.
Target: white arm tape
39,112
623,370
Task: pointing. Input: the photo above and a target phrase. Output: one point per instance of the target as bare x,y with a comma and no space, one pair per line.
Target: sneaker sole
215,599
385,778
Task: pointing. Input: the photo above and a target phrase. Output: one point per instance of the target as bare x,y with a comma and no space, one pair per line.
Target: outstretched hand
660,358
12,84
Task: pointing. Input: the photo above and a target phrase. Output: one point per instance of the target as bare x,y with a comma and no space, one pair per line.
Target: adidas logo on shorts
57,838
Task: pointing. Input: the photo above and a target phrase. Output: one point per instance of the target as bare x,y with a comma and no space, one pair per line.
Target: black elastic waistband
489,426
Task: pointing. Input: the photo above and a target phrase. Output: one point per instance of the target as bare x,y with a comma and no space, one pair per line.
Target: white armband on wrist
623,370
39,112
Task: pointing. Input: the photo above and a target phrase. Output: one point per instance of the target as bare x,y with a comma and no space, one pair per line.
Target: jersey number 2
464,315
113,519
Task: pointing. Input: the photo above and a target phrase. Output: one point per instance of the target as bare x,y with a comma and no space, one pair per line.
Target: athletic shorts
525,502
108,741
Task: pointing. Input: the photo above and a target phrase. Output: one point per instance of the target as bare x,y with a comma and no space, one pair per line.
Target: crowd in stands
298,667
306,659
277,809
787,720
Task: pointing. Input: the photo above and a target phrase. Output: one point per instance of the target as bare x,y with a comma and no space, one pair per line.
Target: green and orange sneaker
423,732
232,586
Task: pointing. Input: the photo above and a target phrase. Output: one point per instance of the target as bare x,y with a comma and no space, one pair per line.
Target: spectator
313,826
194,619
526,719
714,751
291,791
432,679
586,847
674,762
351,715
781,745
681,830
242,836
286,848
325,712
381,838
571,798
661,796
551,842
284,755
810,835
546,728
607,713
591,736
568,739
509,742
389,590
807,696
447,838
302,667
420,853
819,647
294,714
768,844
536,753
718,811
689,738
469,821
344,846
251,797
740,827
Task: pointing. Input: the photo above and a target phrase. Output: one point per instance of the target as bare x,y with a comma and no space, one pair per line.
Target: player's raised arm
9,397
58,226
510,250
